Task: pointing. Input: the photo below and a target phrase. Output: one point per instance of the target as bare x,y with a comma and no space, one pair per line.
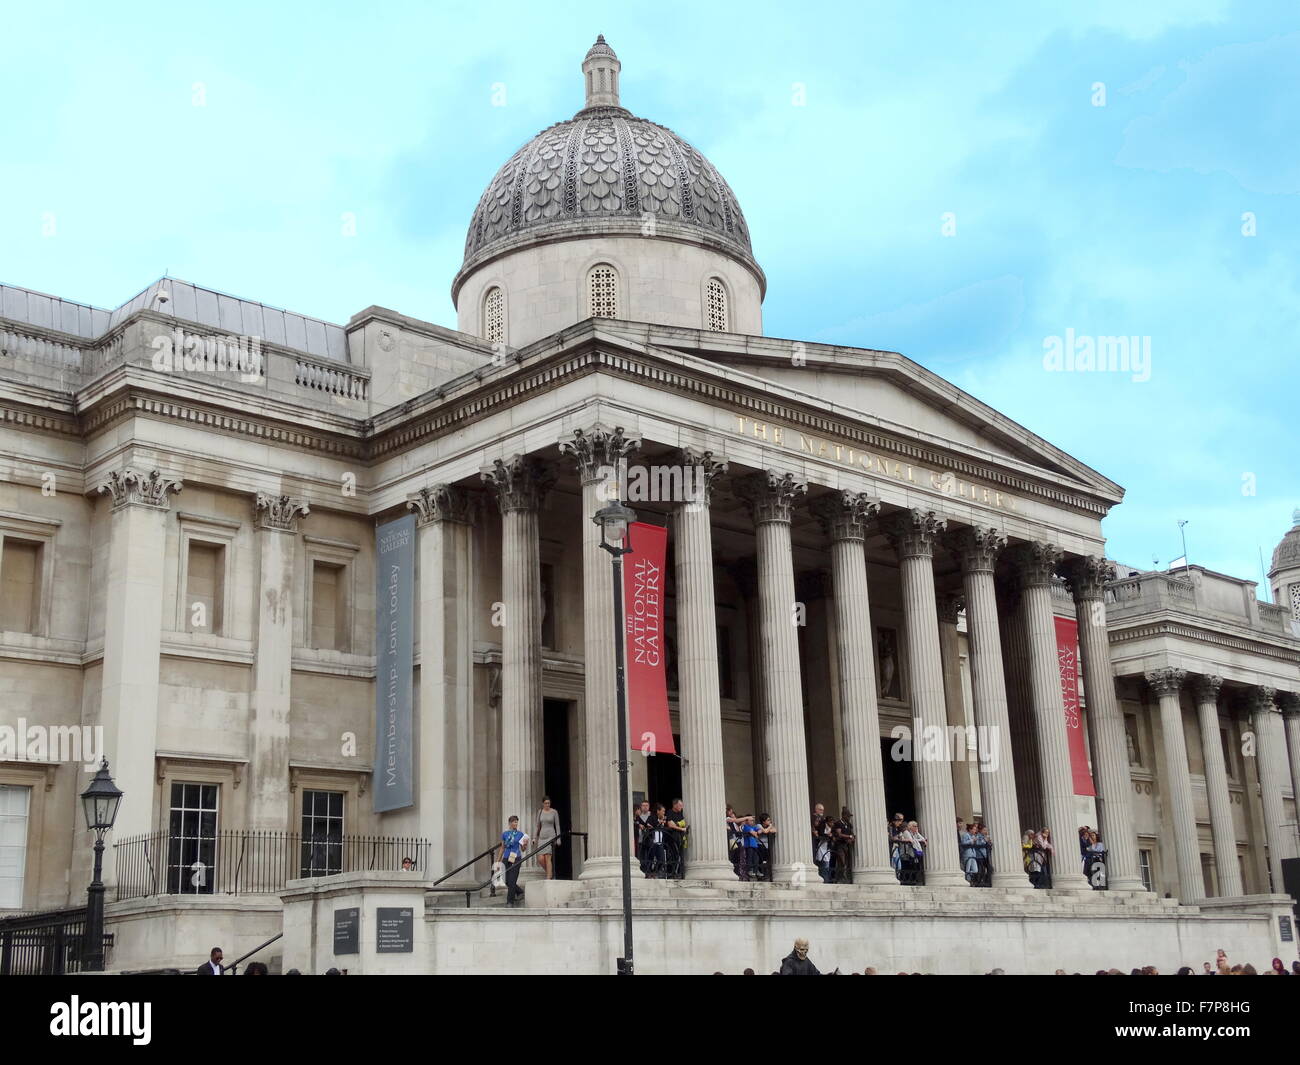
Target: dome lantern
600,69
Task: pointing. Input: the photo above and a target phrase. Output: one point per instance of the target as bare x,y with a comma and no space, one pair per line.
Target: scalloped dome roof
606,171
1287,552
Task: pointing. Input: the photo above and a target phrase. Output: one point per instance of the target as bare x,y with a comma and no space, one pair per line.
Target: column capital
279,513
131,487
1206,687
913,532
769,495
949,605
1087,576
444,502
705,469
844,515
1290,703
1166,681
1260,700
977,546
1035,563
598,450
521,482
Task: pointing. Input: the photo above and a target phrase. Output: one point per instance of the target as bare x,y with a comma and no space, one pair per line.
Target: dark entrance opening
899,796
555,779
664,778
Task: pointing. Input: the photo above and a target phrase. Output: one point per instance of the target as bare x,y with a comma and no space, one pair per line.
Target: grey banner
394,652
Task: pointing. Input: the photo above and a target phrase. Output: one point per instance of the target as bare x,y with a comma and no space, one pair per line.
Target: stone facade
190,489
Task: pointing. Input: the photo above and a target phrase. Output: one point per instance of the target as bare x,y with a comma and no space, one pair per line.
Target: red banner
649,729
1067,656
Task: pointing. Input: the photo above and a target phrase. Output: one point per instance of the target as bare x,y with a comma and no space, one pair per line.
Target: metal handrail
234,965
491,881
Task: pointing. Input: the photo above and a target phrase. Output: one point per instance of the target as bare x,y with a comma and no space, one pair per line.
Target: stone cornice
1119,632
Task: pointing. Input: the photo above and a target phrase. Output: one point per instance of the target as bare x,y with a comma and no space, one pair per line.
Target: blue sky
223,143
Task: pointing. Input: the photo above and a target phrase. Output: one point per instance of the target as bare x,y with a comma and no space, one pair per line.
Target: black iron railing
249,862
497,876
44,943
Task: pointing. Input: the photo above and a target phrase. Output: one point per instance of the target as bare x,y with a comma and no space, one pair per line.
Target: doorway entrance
900,798
555,778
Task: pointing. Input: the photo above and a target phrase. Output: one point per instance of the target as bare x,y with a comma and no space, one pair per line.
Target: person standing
842,846
766,832
548,829
511,856
640,827
797,962
821,842
656,859
211,967
677,830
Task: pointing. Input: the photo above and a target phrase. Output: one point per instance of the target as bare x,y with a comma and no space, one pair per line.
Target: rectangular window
20,585
204,582
548,605
1144,864
192,840
14,805
328,607
322,833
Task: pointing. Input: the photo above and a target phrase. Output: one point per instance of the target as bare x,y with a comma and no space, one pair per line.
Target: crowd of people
799,963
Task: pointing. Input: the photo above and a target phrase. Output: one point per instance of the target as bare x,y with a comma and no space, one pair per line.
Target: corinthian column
128,698
978,549
844,516
1290,704
1270,743
598,453
699,700
446,755
277,534
1087,577
770,497
1206,690
1035,566
913,534
1166,684
520,483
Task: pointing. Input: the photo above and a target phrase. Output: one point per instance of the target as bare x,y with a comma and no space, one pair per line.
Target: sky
975,186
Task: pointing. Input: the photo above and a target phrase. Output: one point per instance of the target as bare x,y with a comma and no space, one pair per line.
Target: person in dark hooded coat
797,962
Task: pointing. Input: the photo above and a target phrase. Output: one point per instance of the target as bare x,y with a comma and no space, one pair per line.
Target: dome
1287,553
606,172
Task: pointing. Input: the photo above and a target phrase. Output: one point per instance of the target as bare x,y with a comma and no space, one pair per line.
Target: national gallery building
882,594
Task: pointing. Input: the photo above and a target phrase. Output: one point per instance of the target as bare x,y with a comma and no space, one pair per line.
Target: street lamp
100,802
615,522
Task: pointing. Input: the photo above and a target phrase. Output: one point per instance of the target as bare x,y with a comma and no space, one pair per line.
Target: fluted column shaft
520,484
770,497
978,549
1110,773
1036,564
599,454
704,786
1290,703
1269,744
269,802
913,534
1166,684
1206,690
844,516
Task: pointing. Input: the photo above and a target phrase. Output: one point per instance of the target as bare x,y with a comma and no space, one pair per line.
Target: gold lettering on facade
944,482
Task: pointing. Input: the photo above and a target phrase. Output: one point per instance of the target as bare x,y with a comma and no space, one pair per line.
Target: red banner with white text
649,729
1067,656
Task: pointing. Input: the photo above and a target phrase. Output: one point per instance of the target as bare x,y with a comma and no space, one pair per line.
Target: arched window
494,316
602,291
715,311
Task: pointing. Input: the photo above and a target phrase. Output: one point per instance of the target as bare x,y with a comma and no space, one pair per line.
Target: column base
607,869
702,870
945,878
1127,884
1011,880
1075,882
882,877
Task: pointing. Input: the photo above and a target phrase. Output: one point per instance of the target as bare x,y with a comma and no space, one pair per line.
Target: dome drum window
494,318
715,310
602,292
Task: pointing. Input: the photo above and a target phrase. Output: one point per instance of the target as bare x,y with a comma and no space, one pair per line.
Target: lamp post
615,522
100,802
